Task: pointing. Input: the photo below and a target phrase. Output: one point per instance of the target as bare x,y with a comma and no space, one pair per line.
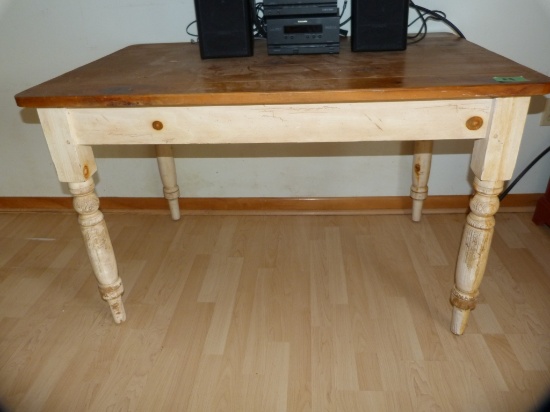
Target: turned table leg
493,161
167,168
422,162
98,245
474,251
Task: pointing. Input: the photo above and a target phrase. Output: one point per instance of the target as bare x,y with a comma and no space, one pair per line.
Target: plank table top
442,66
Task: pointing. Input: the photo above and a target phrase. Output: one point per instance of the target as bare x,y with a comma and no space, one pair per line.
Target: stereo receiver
299,35
302,26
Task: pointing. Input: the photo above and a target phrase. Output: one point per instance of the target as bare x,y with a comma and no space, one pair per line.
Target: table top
442,66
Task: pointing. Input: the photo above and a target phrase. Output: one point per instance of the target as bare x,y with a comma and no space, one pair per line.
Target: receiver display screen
304,28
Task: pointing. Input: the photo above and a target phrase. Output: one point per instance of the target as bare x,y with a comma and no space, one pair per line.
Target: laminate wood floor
271,313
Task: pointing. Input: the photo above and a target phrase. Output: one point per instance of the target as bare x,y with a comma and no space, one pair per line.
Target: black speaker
224,28
379,25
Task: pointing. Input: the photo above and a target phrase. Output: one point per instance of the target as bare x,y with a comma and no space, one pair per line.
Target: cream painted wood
422,162
494,158
342,122
493,161
75,164
497,127
474,251
73,161
167,169
99,247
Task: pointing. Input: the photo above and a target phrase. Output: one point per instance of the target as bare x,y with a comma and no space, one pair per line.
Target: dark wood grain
442,66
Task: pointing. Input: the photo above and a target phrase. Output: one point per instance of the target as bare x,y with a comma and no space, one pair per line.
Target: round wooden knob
474,123
157,125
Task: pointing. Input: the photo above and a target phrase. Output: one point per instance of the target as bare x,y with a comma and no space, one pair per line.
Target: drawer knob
157,125
474,123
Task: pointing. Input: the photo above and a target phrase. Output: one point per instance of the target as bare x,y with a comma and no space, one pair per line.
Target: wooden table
163,94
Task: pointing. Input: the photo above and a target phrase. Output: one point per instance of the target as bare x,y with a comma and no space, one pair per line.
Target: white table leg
98,245
422,162
167,169
493,161
474,251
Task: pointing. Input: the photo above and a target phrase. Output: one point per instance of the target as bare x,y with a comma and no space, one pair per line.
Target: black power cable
518,178
260,26
424,15
188,27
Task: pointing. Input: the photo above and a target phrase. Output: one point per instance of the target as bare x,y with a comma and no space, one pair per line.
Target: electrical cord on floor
518,178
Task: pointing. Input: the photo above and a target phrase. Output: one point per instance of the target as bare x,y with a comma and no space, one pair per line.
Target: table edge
261,98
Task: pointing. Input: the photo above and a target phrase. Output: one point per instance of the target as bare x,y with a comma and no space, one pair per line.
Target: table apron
300,123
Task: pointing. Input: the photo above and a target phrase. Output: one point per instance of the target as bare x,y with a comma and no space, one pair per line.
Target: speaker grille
224,28
379,25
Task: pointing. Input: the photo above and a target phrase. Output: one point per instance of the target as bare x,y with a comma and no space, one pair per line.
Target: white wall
41,39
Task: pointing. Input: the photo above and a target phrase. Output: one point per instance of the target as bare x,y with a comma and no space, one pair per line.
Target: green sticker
510,79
